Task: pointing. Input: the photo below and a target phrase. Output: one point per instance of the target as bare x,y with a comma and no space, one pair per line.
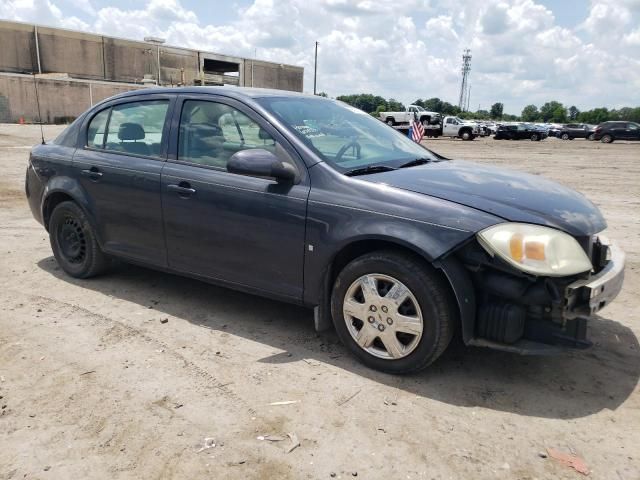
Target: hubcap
71,239
383,316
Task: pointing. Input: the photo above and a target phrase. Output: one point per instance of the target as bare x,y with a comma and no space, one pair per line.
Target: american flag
416,130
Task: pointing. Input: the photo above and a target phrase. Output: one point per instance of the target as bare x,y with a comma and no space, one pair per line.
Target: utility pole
466,68
315,70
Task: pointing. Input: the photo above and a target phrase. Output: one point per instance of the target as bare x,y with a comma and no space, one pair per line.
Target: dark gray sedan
310,201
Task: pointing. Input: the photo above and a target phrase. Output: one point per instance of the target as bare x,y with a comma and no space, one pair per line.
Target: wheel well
51,202
359,248
464,129
362,247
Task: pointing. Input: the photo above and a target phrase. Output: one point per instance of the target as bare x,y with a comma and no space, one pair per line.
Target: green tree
573,112
433,105
323,94
530,113
497,109
395,106
364,101
553,111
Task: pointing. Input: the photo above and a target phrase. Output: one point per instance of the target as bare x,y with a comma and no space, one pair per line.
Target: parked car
310,201
412,111
520,132
576,130
553,129
607,132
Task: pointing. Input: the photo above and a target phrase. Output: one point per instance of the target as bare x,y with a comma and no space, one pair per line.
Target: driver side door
246,231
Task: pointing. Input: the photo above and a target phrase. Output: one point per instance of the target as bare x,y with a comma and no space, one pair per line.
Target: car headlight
535,249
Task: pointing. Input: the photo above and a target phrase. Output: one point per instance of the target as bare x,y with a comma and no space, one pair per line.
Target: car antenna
35,86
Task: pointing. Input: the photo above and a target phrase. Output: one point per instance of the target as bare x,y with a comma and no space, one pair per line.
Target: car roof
227,91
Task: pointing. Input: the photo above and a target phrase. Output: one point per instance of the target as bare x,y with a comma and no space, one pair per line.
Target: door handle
92,173
183,188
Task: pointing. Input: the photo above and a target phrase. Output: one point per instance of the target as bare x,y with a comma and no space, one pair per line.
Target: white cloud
405,49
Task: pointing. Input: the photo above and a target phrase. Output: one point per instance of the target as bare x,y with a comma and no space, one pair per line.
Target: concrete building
73,70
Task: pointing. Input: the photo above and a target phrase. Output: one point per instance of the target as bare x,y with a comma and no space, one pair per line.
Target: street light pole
315,70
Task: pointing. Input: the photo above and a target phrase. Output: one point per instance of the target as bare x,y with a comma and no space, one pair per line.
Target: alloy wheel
383,316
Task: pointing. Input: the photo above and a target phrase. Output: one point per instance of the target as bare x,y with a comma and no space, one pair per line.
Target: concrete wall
97,57
17,47
60,100
278,76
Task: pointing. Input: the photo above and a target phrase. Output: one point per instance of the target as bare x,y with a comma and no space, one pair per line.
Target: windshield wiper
415,162
368,170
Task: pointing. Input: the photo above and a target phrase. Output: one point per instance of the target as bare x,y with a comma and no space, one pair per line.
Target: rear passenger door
243,230
119,166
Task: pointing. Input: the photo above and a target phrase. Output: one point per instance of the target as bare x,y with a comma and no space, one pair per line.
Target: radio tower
464,88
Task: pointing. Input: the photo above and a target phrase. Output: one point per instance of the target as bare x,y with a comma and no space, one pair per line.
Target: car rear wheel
606,138
565,136
590,137
390,122
535,137
392,311
74,243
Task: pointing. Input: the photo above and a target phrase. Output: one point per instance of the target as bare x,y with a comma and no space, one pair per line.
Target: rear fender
72,188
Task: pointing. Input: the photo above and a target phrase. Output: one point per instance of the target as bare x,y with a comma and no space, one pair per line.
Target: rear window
132,128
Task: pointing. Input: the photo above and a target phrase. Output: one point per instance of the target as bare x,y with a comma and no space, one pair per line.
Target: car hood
514,196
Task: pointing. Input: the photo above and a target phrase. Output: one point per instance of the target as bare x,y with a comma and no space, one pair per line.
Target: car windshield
343,136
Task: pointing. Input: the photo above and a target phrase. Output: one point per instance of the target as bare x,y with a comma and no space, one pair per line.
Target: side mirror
258,162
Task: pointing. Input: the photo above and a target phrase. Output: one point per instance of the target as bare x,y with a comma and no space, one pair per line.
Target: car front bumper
584,298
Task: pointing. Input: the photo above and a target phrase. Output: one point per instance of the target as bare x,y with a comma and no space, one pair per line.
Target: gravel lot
94,385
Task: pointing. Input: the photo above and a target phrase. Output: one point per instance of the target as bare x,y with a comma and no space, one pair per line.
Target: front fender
332,229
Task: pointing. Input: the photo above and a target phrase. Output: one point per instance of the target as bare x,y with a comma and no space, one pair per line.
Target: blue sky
579,52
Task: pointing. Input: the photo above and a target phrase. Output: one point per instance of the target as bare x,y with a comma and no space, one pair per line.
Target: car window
343,136
97,129
633,126
136,128
210,132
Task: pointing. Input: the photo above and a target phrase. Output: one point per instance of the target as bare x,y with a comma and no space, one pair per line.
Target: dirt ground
93,385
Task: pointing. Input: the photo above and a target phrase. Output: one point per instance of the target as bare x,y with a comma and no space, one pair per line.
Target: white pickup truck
454,127
401,118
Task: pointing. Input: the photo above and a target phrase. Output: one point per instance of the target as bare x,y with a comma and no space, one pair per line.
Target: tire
590,137
390,122
428,304
466,135
535,137
565,136
74,243
606,138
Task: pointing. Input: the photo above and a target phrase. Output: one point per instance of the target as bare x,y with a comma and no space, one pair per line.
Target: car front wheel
392,311
74,243
535,137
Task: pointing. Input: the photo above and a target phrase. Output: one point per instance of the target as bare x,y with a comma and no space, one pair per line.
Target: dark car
520,132
310,201
607,132
576,130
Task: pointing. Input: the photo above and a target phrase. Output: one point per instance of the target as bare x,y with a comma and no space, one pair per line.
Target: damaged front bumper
584,298
545,315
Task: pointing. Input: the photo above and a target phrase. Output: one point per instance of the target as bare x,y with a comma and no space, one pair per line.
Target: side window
211,132
633,126
97,129
137,127
449,120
